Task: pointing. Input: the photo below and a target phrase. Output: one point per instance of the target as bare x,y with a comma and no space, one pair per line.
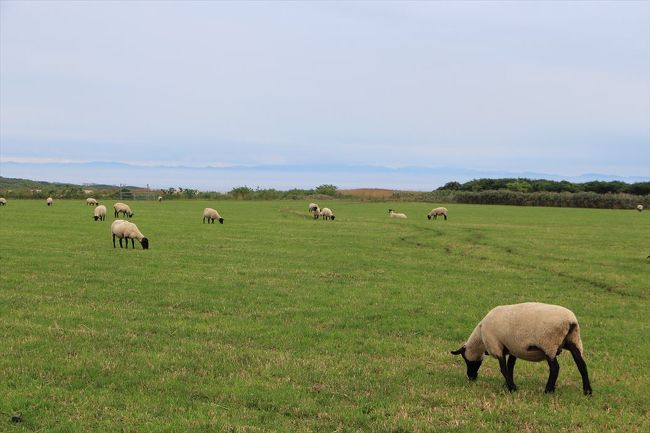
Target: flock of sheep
530,331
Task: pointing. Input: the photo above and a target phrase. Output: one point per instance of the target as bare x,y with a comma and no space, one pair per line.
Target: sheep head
472,366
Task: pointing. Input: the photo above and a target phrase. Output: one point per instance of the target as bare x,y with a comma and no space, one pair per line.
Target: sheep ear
459,351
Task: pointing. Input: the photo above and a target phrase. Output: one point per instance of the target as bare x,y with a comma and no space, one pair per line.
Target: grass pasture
276,322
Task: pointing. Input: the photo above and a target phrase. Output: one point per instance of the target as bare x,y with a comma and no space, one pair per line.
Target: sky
357,94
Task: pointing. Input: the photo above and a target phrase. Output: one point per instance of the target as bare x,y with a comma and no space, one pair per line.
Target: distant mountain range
211,178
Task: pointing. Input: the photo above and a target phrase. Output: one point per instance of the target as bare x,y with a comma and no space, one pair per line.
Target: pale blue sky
551,87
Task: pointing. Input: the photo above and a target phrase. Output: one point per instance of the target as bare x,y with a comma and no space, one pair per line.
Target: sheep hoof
549,390
587,391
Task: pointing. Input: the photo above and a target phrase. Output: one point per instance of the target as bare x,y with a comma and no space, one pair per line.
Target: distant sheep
100,213
91,202
531,331
127,230
211,215
3,201
394,214
639,207
316,212
327,214
312,207
159,198
438,211
121,208
49,201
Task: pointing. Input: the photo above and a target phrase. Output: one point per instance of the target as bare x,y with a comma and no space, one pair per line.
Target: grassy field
276,322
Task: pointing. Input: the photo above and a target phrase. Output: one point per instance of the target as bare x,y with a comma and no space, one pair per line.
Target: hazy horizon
446,88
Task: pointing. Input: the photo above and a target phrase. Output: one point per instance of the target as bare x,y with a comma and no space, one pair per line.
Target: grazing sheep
639,207
316,212
91,201
327,214
531,331
100,213
438,211
121,208
49,201
312,207
211,215
159,198
394,214
3,201
127,230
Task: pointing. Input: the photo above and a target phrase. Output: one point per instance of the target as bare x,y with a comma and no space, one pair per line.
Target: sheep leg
120,242
511,367
132,242
554,367
582,366
445,217
506,374
113,240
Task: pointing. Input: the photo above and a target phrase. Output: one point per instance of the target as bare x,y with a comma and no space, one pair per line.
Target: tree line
507,191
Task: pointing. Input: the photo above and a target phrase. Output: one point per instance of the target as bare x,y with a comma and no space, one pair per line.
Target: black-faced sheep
438,211
211,215
531,331
327,214
394,214
127,230
121,208
159,198
91,201
3,201
312,207
639,207
49,201
99,213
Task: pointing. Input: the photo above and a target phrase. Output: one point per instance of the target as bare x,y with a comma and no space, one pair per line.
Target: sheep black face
220,220
130,215
472,366
95,218
428,216
145,243
333,217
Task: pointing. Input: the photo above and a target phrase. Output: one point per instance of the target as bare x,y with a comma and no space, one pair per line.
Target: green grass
276,322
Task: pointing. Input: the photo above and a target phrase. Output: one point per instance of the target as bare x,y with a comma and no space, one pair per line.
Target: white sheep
211,215
312,207
3,201
100,213
49,201
127,230
394,214
327,214
91,201
531,331
159,198
316,212
121,208
639,207
438,211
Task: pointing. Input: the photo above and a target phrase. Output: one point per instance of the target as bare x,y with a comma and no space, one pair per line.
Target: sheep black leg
511,368
132,242
582,367
113,241
120,242
504,370
554,367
